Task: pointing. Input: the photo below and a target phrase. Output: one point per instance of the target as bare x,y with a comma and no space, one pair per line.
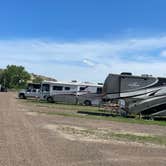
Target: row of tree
15,77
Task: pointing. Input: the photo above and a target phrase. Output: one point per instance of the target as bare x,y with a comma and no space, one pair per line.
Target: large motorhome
70,92
145,95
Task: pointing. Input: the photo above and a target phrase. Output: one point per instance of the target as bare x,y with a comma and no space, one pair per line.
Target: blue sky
84,39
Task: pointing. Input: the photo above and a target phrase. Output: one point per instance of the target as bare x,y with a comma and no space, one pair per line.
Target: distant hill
40,78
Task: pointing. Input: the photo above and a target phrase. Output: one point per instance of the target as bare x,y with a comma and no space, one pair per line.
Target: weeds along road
28,139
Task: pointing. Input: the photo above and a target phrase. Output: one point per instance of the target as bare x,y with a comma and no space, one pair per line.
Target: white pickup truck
29,93
32,91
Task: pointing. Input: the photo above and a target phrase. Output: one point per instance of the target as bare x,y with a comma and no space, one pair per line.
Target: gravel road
26,140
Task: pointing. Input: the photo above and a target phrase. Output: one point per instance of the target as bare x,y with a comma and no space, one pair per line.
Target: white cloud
163,53
88,60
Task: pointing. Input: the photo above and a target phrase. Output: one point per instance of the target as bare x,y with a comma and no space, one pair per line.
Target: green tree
1,76
15,76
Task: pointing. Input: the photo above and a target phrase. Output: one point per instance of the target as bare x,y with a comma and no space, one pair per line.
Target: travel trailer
91,98
69,92
32,91
145,95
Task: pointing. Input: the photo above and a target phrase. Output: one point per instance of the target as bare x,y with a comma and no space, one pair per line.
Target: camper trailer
91,98
145,95
69,92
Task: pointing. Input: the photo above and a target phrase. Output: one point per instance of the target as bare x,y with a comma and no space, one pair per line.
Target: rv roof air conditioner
126,73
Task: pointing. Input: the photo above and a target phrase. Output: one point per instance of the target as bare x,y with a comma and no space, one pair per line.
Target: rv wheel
50,100
87,102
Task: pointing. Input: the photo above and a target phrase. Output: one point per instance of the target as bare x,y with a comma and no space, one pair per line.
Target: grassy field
94,113
89,112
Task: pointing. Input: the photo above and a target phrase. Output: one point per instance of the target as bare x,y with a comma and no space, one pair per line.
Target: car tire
22,96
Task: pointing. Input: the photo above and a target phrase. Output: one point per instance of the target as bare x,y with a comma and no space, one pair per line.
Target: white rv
69,92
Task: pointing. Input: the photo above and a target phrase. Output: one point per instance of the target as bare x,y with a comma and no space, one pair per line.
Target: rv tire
87,103
50,99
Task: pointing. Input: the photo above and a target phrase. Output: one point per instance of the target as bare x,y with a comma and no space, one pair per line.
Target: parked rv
70,92
91,98
32,91
145,95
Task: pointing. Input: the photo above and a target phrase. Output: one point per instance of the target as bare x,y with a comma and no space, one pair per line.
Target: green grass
63,106
161,140
86,109
110,118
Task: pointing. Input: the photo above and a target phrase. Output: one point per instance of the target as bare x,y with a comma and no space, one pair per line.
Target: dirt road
29,139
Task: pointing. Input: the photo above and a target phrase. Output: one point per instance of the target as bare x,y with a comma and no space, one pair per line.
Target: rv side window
46,87
82,88
99,90
59,88
67,88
